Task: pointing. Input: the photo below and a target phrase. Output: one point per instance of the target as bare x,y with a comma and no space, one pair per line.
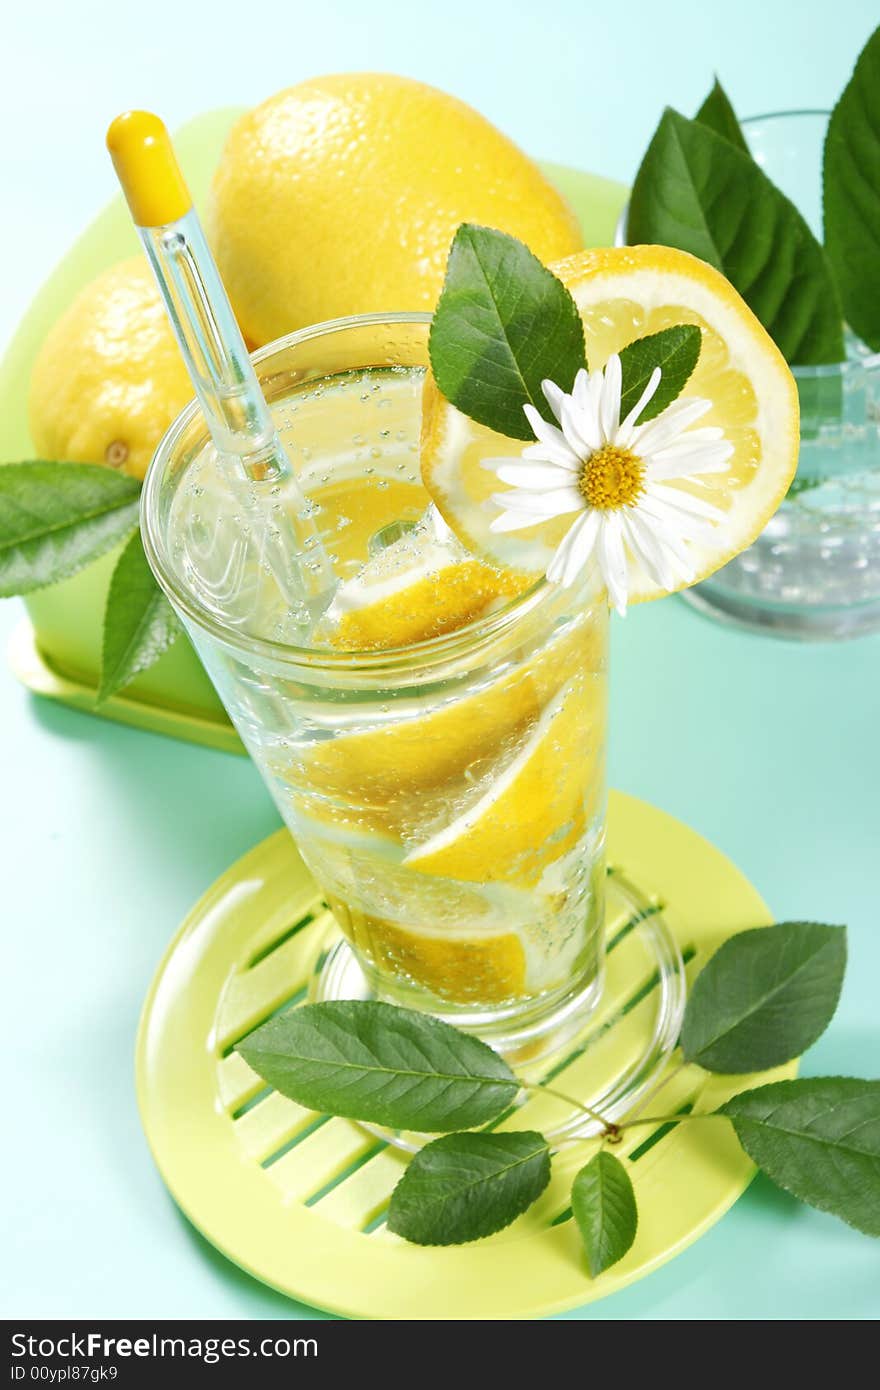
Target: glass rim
787,114
432,651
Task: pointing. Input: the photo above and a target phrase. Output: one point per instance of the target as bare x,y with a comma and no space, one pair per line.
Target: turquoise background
770,749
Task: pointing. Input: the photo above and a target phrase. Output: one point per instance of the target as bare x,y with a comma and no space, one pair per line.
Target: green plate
60,654
298,1200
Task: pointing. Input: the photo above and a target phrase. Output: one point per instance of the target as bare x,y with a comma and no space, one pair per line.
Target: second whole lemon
342,195
109,378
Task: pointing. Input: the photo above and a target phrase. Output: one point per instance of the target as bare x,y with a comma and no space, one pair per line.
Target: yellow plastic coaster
298,1199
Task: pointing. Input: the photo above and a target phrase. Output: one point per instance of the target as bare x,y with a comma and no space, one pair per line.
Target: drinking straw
215,354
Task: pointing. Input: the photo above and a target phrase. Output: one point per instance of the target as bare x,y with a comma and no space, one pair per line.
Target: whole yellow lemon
342,195
108,379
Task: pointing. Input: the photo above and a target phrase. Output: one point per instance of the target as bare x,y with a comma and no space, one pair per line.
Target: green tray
298,1200
59,653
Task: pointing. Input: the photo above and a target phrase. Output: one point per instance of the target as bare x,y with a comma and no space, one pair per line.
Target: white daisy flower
615,475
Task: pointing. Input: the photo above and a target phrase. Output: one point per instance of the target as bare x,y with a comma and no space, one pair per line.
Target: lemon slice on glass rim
623,294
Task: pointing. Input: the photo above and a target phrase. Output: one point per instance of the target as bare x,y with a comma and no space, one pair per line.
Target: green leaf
718,114
852,195
675,351
503,324
139,622
57,517
764,997
696,191
465,1186
604,1207
819,1139
382,1064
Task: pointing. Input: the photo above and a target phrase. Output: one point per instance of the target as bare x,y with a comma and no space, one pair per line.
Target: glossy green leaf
819,1139
379,1063
718,114
139,622
604,1207
852,195
465,1186
675,351
764,997
696,191
503,324
57,517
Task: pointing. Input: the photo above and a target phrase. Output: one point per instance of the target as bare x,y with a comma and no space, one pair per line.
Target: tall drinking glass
447,794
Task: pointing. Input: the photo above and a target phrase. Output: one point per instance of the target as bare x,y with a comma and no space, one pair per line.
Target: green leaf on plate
852,195
675,351
604,1207
503,324
718,114
764,997
57,517
696,191
139,622
375,1062
819,1139
465,1186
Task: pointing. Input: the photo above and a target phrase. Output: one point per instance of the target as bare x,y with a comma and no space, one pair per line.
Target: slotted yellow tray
298,1199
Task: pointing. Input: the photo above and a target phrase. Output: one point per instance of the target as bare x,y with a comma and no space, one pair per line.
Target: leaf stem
671,1119
610,1130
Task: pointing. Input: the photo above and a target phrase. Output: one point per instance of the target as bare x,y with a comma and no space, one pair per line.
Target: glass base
829,622
651,989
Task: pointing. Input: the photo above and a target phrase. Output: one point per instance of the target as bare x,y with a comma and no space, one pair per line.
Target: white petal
705,434
574,550
687,447
542,506
540,476
609,412
672,522
584,409
687,502
702,459
612,559
668,536
623,434
646,548
579,428
492,465
553,453
670,423
513,521
554,396
588,395
664,562
580,391
546,433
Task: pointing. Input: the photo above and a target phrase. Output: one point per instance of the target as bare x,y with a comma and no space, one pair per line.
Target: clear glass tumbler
815,570
447,795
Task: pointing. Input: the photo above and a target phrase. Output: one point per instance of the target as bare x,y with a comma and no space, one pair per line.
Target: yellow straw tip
147,169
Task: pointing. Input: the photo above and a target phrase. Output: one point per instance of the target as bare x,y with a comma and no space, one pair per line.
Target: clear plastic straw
216,357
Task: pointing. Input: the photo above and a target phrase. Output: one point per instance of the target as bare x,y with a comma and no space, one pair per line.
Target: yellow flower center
611,477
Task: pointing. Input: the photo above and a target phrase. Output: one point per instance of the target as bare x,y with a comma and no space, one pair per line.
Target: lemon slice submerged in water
532,811
421,586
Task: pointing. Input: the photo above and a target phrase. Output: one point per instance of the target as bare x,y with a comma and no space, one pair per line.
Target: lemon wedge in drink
475,968
623,294
533,810
379,770
422,585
